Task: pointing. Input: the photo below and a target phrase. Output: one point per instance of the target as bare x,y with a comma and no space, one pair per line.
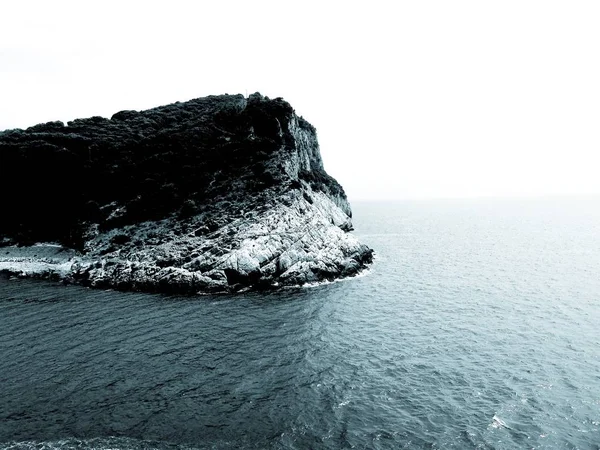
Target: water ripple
475,329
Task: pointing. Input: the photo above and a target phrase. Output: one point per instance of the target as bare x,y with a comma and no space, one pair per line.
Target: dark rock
125,115
217,193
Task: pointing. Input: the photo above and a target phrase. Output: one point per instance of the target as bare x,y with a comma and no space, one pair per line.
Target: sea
477,327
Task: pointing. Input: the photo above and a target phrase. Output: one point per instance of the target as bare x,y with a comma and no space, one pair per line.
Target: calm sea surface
478,327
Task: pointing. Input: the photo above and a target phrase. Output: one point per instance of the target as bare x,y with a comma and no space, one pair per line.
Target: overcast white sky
411,99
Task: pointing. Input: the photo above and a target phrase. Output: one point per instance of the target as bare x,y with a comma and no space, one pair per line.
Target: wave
497,422
104,443
363,273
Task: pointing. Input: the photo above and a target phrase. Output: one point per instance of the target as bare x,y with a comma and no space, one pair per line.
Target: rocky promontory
216,194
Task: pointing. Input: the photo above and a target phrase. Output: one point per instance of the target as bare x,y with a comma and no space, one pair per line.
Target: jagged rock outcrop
215,194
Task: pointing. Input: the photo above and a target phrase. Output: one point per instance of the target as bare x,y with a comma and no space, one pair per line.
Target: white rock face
289,244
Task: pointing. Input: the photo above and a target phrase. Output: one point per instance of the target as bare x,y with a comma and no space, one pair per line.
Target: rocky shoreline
227,194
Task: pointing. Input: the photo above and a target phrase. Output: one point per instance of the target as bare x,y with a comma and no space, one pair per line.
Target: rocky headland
216,194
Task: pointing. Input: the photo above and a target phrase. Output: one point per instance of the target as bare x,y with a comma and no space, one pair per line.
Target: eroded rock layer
215,194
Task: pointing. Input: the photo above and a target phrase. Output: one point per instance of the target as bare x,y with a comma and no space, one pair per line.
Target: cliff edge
216,194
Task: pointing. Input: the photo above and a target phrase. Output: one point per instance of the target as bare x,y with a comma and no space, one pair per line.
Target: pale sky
411,99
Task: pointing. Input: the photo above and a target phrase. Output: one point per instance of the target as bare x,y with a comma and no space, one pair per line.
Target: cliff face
214,194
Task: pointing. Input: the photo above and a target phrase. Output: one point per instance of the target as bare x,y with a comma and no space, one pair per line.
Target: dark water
478,327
